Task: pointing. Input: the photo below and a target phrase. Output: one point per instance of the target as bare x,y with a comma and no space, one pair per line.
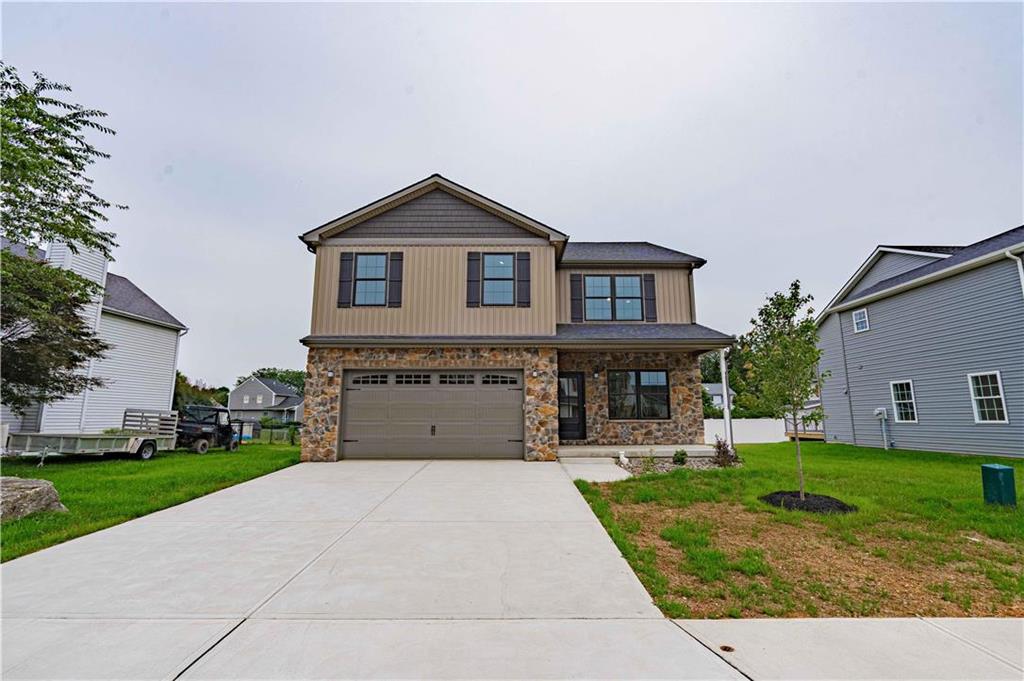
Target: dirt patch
813,573
812,503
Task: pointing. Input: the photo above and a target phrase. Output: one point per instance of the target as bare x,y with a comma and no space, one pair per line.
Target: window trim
974,399
484,279
913,400
867,321
356,279
636,374
613,297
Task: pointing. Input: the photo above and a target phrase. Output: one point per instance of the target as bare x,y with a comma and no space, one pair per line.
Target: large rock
21,496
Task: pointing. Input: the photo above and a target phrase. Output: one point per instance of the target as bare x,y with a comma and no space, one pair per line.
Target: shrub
679,458
725,456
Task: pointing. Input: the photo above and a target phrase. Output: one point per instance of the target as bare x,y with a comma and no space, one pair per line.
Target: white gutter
1020,268
927,279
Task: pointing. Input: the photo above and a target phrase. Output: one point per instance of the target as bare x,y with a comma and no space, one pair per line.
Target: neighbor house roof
22,250
1012,239
716,389
124,297
277,387
682,336
942,250
616,252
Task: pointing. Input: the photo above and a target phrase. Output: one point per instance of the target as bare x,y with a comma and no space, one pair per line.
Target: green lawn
922,542
103,492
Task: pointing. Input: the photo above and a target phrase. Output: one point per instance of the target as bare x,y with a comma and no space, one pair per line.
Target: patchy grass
103,492
923,541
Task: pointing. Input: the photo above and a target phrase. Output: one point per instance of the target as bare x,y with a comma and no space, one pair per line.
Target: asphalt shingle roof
121,295
944,250
625,252
277,387
987,246
643,332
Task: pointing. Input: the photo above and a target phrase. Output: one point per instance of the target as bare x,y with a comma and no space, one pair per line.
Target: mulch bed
812,503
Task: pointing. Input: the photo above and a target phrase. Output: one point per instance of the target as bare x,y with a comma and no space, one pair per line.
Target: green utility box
997,482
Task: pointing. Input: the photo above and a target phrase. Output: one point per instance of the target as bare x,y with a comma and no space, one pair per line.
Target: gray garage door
432,414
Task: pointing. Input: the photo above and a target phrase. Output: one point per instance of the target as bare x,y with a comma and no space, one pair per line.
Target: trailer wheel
232,446
146,451
201,446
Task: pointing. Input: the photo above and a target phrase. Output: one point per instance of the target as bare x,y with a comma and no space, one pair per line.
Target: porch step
632,451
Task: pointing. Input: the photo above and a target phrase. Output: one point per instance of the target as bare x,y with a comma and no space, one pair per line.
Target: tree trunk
799,459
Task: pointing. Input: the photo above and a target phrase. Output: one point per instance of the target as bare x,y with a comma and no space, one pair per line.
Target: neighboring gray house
925,344
715,390
139,368
254,398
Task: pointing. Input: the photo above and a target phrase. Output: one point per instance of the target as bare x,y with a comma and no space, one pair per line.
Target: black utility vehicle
201,426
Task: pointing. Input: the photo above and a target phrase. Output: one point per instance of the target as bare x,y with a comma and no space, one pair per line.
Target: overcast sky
776,141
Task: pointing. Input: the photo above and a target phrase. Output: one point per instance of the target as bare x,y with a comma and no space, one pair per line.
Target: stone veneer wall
322,409
686,422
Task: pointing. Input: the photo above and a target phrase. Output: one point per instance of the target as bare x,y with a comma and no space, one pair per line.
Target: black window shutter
650,299
395,279
523,279
473,280
576,297
345,281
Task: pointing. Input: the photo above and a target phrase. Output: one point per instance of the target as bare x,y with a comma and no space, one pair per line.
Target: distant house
715,390
138,369
254,398
924,347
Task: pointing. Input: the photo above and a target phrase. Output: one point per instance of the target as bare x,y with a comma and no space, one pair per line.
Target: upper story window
259,399
245,399
904,408
499,279
371,279
987,397
860,320
616,297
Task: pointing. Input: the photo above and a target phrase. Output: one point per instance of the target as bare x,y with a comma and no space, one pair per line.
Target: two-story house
256,397
448,325
924,349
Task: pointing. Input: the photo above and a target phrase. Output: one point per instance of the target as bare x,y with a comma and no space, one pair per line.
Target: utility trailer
143,433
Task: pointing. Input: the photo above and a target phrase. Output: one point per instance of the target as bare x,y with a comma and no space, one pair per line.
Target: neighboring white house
139,368
715,390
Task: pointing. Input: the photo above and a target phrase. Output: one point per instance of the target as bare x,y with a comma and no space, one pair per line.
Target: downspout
726,402
1020,268
174,369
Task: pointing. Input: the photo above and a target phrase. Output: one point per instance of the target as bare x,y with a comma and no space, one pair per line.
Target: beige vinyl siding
672,287
434,295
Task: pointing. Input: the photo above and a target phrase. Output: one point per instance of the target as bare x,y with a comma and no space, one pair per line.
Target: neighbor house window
860,321
245,399
987,397
259,399
371,279
638,395
499,279
613,297
904,408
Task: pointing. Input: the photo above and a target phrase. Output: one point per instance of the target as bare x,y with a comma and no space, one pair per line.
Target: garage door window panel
412,379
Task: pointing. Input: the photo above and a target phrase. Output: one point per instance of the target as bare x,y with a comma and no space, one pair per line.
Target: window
499,279
412,379
638,395
903,407
371,279
860,320
371,379
245,399
456,379
259,399
498,379
987,397
613,297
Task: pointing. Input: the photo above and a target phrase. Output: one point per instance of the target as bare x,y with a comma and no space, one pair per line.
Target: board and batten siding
889,265
434,295
671,286
934,335
138,371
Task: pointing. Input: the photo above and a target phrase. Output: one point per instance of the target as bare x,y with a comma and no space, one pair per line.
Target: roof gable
121,296
426,187
868,265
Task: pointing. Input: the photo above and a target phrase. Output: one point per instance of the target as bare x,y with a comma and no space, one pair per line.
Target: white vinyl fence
746,430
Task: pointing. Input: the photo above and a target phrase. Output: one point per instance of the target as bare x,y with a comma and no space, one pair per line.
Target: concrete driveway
392,569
